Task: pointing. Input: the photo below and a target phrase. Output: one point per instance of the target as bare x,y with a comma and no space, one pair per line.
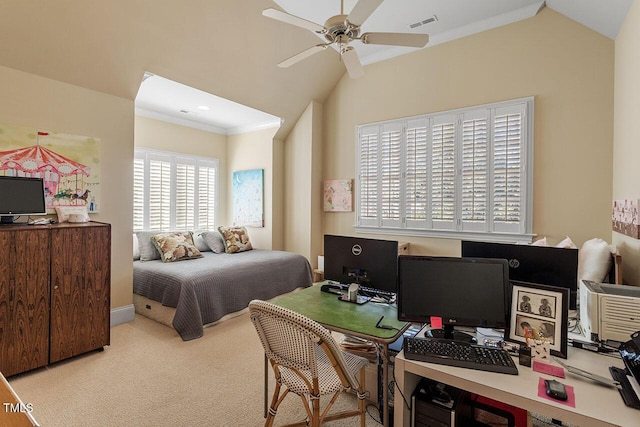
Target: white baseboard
122,314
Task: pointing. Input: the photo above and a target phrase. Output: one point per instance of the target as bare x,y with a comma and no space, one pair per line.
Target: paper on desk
545,368
571,397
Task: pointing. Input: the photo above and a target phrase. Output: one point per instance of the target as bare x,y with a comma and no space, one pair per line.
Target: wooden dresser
55,293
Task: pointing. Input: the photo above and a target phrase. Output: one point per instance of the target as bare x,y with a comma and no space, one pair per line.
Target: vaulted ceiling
222,47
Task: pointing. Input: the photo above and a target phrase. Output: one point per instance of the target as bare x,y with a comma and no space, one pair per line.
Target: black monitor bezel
390,263
42,208
555,260
448,321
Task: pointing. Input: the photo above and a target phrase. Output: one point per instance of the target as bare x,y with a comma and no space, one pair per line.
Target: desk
596,405
349,319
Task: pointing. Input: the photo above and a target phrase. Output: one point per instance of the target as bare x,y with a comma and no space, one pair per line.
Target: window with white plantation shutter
173,192
461,173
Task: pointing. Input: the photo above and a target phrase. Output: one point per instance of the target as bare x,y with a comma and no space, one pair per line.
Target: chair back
291,340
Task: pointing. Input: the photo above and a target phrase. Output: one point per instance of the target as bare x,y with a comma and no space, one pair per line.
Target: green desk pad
345,317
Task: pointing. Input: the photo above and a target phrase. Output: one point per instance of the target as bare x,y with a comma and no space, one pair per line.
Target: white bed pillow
213,239
198,240
567,243
148,251
540,242
594,260
136,247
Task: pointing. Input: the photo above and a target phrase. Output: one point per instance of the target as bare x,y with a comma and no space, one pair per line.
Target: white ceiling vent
423,22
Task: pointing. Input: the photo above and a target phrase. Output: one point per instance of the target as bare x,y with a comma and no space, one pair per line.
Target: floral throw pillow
176,246
236,239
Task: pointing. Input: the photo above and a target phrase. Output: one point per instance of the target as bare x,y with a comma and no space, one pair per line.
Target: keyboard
460,354
372,292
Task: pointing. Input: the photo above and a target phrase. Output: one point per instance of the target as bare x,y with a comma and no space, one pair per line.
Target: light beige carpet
150,377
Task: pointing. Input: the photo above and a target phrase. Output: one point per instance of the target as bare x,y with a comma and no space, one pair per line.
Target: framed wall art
248,198
68,164
338,195
540,312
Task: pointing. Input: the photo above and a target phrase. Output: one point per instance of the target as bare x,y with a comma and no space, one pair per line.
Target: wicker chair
308,362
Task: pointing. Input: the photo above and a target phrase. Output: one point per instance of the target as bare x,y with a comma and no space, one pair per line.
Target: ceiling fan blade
395,39
302,55
362,10
293,20
352,63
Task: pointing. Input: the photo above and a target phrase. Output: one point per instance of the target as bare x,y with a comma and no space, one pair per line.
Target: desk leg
385,387
406,383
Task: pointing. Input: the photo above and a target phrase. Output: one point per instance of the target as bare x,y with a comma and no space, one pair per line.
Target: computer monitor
534,264
371,263
21,196
471,292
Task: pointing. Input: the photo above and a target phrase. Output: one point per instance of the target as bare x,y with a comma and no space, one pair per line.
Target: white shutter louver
368,177
185,196
390,158
416,174
507,158
443,175
206,197
474,173
138,194
159,195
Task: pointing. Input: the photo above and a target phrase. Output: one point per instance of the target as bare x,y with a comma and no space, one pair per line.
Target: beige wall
258,150
567,67
626,148
158,135
303,185
33,101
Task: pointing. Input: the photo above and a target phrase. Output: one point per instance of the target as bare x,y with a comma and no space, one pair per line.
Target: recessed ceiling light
203,107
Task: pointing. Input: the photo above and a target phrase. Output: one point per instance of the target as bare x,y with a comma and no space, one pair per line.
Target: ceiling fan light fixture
342,29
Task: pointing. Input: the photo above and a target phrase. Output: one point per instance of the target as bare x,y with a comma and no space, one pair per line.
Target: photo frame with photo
543,309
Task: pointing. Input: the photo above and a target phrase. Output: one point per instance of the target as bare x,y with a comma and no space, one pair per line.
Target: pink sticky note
571,397
436,322
545,368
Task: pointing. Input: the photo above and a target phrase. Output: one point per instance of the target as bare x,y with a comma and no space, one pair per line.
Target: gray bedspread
205,289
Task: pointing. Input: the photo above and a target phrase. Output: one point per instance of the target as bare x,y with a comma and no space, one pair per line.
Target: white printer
609,312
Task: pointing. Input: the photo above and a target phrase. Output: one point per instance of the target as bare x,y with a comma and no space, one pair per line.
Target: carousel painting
69,164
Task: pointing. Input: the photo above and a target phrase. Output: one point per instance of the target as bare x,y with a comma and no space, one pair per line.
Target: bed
202,291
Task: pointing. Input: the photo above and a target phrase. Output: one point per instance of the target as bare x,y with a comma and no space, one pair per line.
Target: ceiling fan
343,29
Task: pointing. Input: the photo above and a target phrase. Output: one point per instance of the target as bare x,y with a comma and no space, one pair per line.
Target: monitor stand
449,333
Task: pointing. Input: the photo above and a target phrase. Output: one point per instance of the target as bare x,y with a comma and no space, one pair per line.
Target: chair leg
276,400
315,420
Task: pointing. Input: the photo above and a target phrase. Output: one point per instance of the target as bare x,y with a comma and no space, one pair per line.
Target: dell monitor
21,196
533,264
461,291
371,263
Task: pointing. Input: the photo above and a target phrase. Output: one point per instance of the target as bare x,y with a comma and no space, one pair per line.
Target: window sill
445,234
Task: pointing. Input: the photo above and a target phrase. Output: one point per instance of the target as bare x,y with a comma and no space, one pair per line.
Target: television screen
21,196
371,263
461,291
545,265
